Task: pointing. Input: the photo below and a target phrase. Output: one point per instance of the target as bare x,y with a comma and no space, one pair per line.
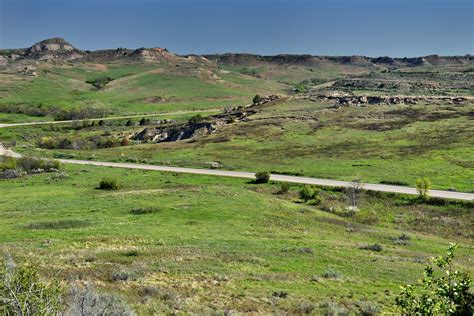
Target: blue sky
326,27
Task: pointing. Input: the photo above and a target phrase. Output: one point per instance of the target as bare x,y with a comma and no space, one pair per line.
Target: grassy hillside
175,243
126,88
170,242
391,143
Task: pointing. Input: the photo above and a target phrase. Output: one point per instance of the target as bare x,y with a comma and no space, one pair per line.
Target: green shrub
22,292
367,308
423,186
110,184
30,163
123,275
307,193
394,182
369,217
144,210
99,83
373,247
8,164
256,99
87,301
305,308
284,188
443,292
262,177
331,274
316,200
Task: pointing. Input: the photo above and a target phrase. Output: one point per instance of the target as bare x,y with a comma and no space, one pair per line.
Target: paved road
249,175
2,125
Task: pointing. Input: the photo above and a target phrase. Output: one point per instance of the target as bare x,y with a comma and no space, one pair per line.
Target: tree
441,292
353,191
423,186
262,177
256,99
23,293
307,193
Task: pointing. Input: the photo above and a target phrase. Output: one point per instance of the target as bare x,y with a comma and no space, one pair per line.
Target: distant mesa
53,48
58,49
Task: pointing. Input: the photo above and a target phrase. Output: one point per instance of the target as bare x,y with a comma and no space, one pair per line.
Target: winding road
250,175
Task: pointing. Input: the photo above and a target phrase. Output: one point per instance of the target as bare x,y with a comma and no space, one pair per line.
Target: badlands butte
176,243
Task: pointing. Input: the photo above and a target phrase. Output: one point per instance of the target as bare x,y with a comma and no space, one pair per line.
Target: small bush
8,163
110,184
86,301
144,210
403,240
317,200
305,308
443,290
99,83
307,193
149,290
368,217
367,308
10,174
423,186
284,188
373,247
262,177
394,182
256,99
331,274
122,275
30,164
332,308
130,253
22,292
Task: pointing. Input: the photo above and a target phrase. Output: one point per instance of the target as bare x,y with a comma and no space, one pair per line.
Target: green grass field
220,244
179,244
135,88
376,143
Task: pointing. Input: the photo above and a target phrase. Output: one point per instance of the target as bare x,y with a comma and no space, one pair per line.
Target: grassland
137,88
222,244
396,143
174,243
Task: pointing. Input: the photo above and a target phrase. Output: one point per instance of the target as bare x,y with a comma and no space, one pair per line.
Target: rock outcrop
53,48
192,129
340,101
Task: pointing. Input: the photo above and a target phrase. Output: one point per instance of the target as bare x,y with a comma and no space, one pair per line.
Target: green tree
256,99
423,186
262,177
307,193
23,293
441,291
